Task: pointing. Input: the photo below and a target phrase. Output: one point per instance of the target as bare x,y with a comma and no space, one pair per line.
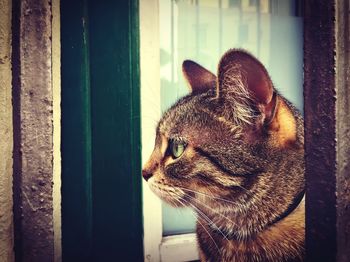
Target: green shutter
101,154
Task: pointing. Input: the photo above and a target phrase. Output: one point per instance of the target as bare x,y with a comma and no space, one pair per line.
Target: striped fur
243,168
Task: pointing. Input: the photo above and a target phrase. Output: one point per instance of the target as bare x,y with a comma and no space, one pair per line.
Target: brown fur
243,167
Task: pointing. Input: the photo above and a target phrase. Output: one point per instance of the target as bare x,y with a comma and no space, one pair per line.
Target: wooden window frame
101,156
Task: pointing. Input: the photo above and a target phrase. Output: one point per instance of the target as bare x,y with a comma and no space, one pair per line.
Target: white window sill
179,248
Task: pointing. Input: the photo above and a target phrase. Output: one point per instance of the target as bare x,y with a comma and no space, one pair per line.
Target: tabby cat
233,151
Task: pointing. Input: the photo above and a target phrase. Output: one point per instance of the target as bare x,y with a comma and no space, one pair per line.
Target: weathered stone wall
56,91
327,129
343,128
6,134
33,130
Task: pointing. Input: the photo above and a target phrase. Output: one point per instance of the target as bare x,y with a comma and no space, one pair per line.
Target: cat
233,150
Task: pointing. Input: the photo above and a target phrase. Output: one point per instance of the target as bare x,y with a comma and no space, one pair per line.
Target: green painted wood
101,153
76,133
115,112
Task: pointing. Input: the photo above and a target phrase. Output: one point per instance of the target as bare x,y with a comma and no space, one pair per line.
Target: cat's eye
176,148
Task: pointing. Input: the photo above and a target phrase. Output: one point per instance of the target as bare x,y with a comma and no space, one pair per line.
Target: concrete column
6,134
327,129
343,128
56,89
33,130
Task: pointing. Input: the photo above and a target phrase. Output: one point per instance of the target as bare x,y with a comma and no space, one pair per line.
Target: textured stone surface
6,142
343,129
33,131
56,88
327,130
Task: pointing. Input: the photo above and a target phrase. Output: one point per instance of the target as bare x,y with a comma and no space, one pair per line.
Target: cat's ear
241,74
199,79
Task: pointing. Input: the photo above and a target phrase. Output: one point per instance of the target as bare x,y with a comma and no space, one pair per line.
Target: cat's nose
146,174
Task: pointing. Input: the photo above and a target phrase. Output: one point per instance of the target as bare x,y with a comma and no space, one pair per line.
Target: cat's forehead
176,120
194,118
182,118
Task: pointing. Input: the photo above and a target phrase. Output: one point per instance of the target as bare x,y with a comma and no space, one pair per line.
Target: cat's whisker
210,208
207,195
234,185
218,198
211,237
206,218
201,214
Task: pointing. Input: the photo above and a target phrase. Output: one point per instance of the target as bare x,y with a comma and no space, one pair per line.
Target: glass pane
202,30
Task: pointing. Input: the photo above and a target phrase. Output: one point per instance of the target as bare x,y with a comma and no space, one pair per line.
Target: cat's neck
280,241
241,232
250,214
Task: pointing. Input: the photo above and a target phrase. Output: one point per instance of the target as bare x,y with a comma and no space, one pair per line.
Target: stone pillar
327,129
33,130
6,134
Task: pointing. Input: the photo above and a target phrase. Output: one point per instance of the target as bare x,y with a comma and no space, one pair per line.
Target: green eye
177,148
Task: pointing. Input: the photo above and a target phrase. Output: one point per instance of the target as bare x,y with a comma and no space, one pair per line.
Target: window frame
101,155
182,247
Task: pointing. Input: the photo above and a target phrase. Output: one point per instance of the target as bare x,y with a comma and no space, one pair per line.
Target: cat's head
219,139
